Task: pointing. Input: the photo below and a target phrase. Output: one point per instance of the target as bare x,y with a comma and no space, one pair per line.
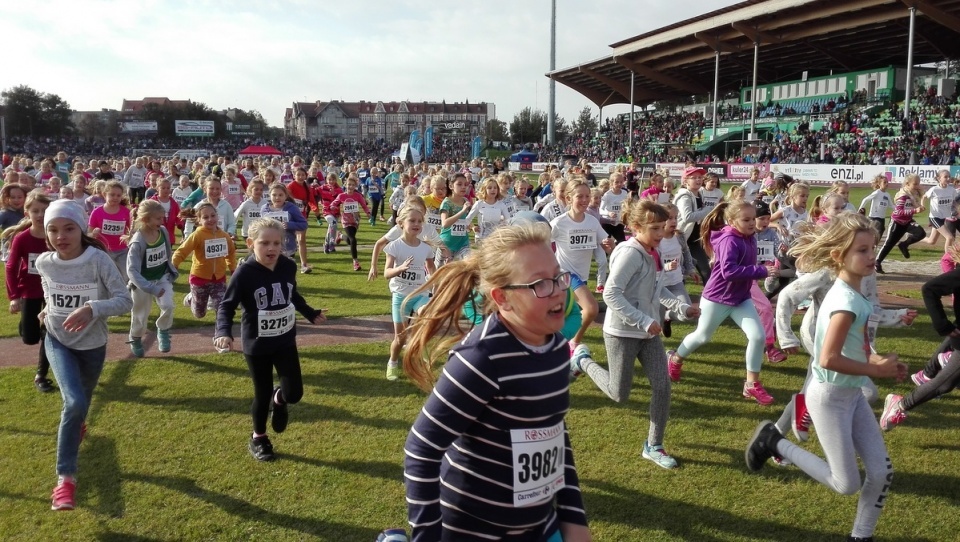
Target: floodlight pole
753,93
631,113
551,128
716,86
906,101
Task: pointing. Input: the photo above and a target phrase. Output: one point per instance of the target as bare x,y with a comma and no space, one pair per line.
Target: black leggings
351,232
700,259
896,231
32,332
375,207
287,362
942,379
615,231
880,224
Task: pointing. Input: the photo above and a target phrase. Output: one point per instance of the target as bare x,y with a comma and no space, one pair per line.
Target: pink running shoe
674,365
775,355
801,418
919,378
599,289
755,391
63,496
944,358
892,414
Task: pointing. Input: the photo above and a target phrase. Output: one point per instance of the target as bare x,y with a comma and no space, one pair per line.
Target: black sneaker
904,250
880,269
278,421
859,539
667,328
261,449
762,446
43,385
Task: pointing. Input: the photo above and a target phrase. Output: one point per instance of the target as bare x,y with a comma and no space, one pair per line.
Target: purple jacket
735,267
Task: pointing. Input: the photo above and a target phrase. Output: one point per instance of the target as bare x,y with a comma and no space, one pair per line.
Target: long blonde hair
146,208
814,248
489,266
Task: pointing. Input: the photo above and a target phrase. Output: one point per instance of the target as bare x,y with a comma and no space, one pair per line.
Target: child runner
522,200
171,209
82,288
111,222
151,275
302,195
631,326
213,256
942,221
281,209
729,232
397,197
906,205
233,187
677,264
691,213
409,262
846,425
328,192
182,191
249,210
503,383
266,287
879,203
576,235
96,199
347,206
942,373
23,280
711,193
790,215
12,205
453,224
374,186
610,204
490,210
751,187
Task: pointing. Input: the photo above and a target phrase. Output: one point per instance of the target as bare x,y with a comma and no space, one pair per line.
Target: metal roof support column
716,86
551,127
909,85
631,113
753,93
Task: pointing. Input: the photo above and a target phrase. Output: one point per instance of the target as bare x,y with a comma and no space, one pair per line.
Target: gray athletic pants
847,428
617,380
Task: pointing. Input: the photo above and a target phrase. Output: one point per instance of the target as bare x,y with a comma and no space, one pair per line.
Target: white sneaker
187,299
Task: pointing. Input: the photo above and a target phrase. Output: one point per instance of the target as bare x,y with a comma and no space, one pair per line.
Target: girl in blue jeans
82,287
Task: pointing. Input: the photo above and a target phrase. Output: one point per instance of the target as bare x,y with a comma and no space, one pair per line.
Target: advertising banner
138,127
194,128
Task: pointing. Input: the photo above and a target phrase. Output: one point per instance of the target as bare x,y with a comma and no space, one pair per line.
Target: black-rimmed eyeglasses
544,287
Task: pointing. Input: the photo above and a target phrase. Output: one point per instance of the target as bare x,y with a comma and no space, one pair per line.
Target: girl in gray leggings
631,327
842,364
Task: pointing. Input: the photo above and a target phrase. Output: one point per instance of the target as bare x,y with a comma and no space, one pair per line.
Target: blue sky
266,55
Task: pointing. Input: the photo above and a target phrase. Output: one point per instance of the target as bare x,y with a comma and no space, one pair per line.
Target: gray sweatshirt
137,250
634,291
89,279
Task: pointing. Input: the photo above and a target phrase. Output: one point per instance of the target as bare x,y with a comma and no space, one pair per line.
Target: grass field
166,455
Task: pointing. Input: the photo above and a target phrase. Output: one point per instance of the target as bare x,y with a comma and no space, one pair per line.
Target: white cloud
265,55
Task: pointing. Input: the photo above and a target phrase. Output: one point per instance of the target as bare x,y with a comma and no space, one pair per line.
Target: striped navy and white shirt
468,453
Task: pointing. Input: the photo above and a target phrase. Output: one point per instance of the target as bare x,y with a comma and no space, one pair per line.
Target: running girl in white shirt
576,235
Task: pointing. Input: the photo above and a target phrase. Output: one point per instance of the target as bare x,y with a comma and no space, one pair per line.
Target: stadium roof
816,36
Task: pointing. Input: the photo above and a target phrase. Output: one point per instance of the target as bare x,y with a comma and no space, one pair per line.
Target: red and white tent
260,150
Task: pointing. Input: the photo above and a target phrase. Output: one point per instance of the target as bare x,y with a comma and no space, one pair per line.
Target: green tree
497,130
32,113
528,126
586,124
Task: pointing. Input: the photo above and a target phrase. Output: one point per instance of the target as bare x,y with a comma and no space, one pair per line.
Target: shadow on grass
389,471
125,537
101,480
308,413
615,504
247,511
928,485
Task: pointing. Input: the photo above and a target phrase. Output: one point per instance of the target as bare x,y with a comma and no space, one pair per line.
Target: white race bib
66,298
32,264
282,216
253,215
765,251
583,240
113,227
412,276
350,207
300,204
433,219
459,228
156,256
538,464
215,248
234,189
275,323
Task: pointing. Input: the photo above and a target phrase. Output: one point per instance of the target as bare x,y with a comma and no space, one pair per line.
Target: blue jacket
735,267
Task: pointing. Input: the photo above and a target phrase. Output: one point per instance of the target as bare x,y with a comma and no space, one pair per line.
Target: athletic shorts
576,282
413,303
